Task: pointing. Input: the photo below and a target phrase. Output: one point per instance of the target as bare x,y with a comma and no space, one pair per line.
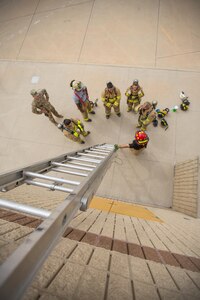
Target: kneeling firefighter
73,128
147,115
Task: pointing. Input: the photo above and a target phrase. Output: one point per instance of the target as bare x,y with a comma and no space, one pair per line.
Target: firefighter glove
76,134
116,104
108,104
116,147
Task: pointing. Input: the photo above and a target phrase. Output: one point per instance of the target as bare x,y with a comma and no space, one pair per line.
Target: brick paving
88,265
104,255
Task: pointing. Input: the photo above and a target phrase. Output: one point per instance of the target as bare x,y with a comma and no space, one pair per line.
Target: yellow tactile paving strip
123,208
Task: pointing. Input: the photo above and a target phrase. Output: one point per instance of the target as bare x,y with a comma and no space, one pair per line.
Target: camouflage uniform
42,105
76,128
134,94
111,98
146,115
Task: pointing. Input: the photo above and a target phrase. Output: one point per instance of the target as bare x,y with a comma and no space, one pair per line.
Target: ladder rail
31,254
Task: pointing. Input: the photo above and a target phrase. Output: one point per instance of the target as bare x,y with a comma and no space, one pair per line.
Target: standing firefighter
73,128
41,105
147,115
111,97
81,99
134,94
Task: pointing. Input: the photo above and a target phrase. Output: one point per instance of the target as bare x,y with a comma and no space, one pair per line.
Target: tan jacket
111,96
134,93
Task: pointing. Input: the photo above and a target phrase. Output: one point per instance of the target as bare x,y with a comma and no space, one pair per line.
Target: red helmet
141,137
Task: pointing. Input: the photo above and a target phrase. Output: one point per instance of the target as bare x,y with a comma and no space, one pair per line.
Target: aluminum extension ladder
90,165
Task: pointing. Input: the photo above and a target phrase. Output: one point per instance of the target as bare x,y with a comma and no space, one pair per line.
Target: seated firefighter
134,95
73,128
147,115
140,142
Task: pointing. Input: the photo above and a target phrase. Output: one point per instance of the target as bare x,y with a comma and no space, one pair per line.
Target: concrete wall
198,209
185,194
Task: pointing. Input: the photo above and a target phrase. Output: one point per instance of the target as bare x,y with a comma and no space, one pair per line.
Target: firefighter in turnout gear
73,128
81,99
111,97
140,142
41,105
134,95
147,115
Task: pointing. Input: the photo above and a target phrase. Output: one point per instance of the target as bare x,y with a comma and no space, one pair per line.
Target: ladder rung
81,164
27,209
90,155
52,187
84,159
105,148
71,166
101,149
69,172
60,180
95,152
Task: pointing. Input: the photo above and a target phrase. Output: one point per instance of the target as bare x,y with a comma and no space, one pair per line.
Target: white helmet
183,96
76,85
60,126
154,103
